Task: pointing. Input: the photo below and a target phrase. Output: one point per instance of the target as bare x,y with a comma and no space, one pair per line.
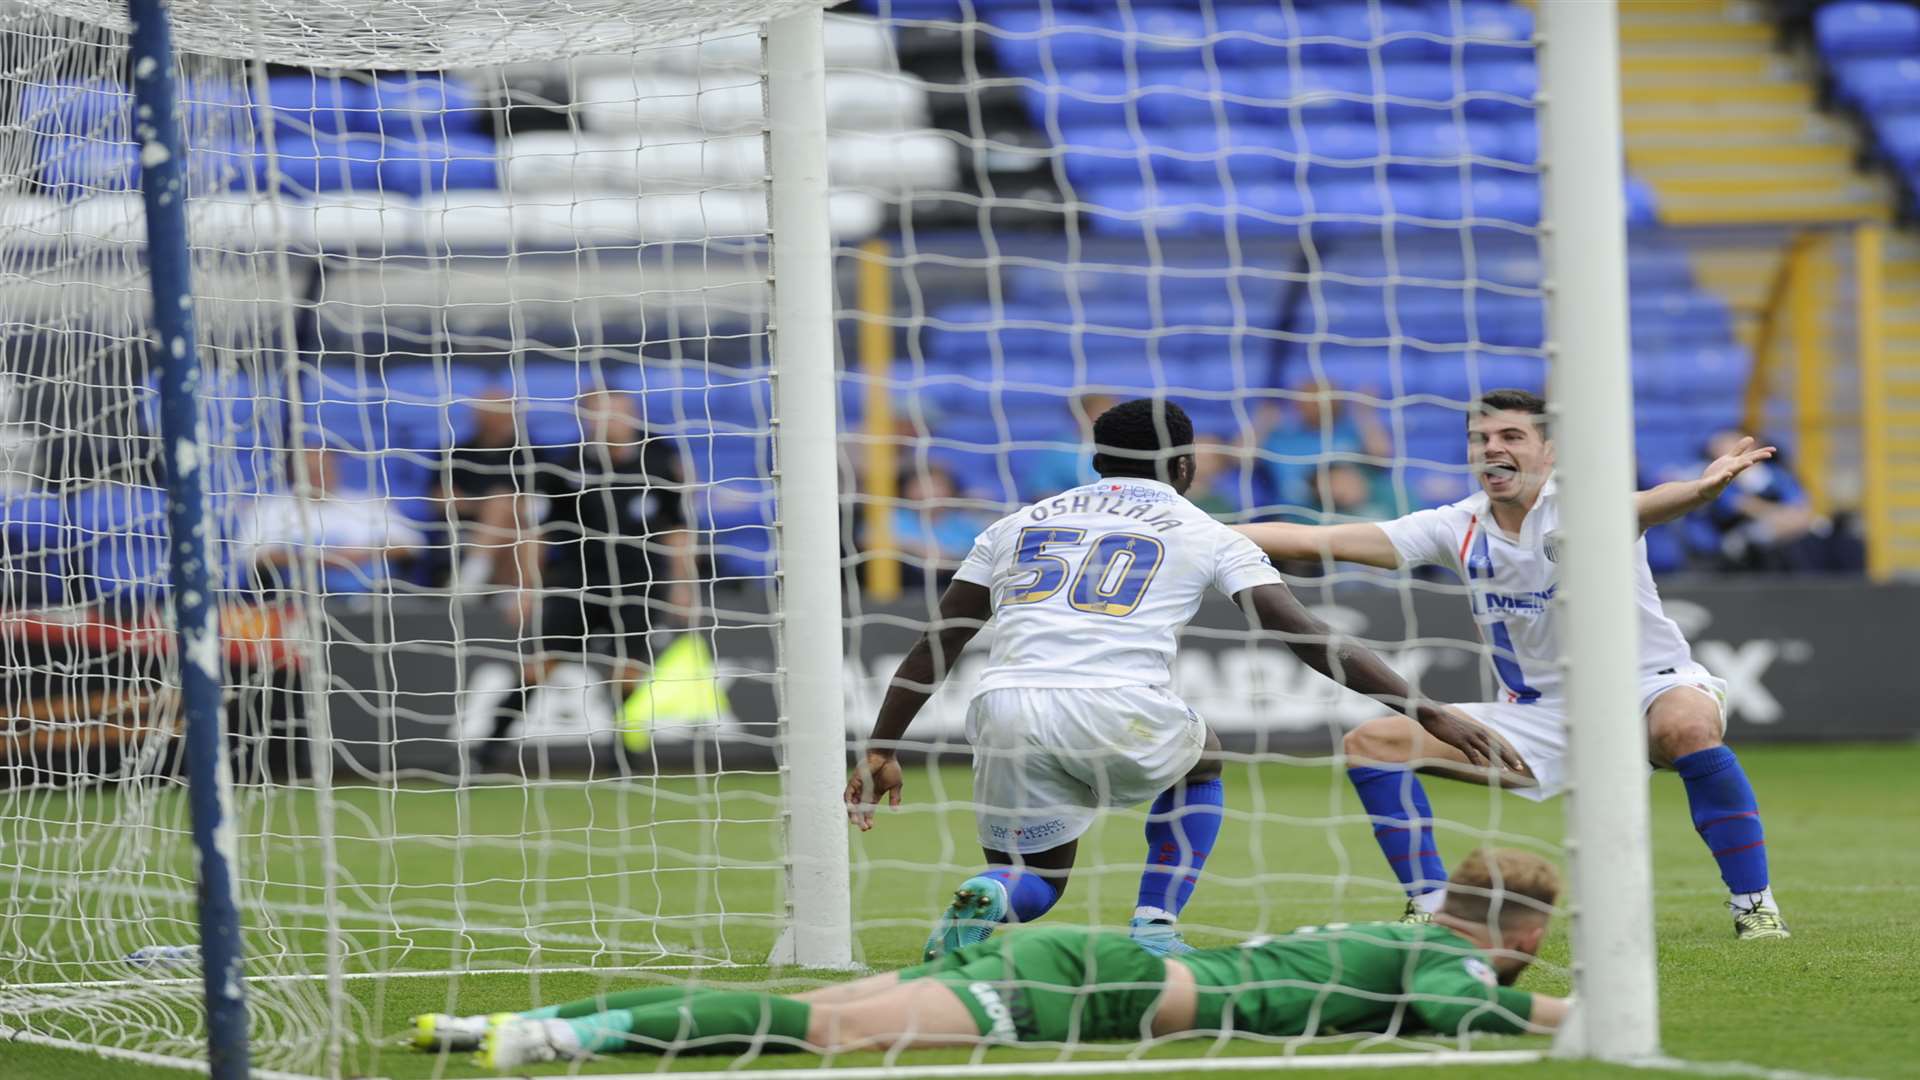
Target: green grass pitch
1839,999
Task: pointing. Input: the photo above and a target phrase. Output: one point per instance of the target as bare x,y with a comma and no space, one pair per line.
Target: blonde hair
1505,885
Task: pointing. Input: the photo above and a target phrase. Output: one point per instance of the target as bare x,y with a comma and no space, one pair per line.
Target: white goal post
1611,842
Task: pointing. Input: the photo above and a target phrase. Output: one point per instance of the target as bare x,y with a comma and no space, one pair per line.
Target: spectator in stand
1763,523
355,534
619,559
1049,472
1353,492
1222,476
1299,437
485,489
931,530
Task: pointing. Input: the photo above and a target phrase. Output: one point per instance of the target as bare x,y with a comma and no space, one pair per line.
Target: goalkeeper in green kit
1056,985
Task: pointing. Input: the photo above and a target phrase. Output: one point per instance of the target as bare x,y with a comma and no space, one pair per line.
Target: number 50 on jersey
1111,578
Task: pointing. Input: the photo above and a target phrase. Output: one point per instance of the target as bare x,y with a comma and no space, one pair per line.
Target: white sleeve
977,567
1239,564
1421,537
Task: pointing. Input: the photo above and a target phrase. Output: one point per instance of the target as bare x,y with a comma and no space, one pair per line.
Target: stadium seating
1871,50
1165,124
1252,120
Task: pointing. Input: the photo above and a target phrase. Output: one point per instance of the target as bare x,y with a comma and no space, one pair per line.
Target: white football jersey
1511,583
1092,586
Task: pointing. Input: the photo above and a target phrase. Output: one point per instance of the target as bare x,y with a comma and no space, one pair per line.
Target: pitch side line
1104,1068
1726,1068
141,1057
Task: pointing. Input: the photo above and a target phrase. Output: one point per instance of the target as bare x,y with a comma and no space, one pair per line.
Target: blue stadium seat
217,112
33,523
739,514
1250,155
1340,367
1162,35
1465,376
1356,198
1666,548
1108,155
1880,83
725,456
1034,42
1433,83
1513,78
1439,441
1491,195
1334,81
1492,29
1435,315
1657,267
1642,207
1849,28
1257,36
1141,287
1672,319
1665,448
1899,134
1516,321
1082,98
119,531
1337,139
94,108
425,108
1423,134
330,163
1195,208
1444,423
1426,486
729,406
1188,95
1702,374
1405,33
317,104
460,160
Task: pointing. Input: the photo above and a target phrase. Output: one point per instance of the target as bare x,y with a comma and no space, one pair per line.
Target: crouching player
1055,985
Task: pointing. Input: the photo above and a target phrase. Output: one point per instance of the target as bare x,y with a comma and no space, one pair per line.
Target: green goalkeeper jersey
1323,980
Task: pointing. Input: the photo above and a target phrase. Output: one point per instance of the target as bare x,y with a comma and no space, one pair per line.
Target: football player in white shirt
1504,542
1088,592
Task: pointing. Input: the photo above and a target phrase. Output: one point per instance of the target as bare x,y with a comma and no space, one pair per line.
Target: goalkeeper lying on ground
1057,985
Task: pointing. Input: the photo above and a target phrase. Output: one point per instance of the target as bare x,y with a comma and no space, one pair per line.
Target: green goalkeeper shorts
1053,984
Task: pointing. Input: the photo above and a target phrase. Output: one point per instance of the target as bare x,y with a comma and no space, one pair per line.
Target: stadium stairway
1725,128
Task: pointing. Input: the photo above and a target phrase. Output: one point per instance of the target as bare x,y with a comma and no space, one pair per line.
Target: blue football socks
1403,824
1727,817
1181,829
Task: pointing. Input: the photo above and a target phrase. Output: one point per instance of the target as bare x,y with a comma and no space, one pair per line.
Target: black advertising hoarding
1804,660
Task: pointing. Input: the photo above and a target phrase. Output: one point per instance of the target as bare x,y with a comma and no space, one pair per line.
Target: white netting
391,266
435,34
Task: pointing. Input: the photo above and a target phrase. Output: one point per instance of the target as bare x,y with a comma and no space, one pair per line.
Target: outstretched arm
1360,542
1357,667
1682,497
964,608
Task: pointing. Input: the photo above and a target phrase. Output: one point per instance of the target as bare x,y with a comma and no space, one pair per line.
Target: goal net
489,301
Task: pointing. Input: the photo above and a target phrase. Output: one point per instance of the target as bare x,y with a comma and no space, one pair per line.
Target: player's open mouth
1500,471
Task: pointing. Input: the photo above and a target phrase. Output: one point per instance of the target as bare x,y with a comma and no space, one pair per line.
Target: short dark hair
1513,400
1127,439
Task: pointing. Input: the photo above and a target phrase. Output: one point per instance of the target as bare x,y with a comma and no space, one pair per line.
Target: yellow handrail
875,302
1766,351
1869,275
1809,299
